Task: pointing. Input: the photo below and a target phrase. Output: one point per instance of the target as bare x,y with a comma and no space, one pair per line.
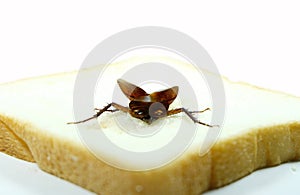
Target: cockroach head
150,113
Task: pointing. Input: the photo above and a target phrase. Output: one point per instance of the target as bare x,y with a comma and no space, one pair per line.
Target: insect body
146,107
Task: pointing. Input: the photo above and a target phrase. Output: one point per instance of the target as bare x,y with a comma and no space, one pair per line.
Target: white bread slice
262,128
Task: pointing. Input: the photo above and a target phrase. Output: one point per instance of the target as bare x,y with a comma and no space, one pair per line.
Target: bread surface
261,129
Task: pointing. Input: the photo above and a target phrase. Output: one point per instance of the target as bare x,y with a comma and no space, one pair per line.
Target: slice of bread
261,129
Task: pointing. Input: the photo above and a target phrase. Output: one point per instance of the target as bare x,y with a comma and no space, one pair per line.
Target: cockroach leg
105,109
174,111
109,110
189,114
200,111
120,107
113,110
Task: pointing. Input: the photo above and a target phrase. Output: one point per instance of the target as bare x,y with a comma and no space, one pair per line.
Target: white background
254,41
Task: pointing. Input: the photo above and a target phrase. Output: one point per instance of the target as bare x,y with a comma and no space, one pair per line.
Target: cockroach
146,107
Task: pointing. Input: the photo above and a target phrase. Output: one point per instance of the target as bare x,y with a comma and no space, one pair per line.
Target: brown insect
146,107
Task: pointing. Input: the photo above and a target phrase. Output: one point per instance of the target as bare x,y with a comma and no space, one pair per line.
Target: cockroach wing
130,90
166,96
